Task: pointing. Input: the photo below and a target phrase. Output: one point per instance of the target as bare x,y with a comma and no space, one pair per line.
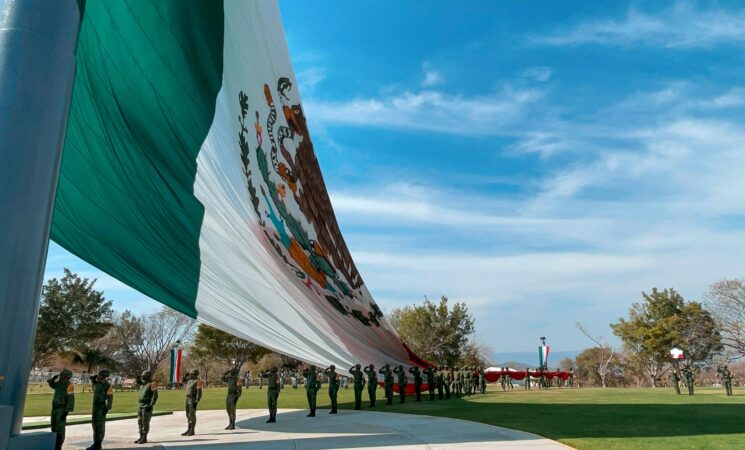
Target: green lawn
581,418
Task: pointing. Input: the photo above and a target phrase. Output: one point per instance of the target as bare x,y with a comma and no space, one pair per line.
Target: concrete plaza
346,430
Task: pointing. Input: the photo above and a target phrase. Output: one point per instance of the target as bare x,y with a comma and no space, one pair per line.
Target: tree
586,367
475,354
92,357
660,322
726,301
434,331
605,354
232,351
146,341
72,315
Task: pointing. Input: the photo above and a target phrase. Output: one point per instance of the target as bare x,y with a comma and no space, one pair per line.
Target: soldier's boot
232,424
95,446
191,430
312,413
58,442
144,439
139,439
188,429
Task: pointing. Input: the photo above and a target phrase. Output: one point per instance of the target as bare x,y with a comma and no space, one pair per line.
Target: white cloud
681,26
309,77
486,115
539,73
431,76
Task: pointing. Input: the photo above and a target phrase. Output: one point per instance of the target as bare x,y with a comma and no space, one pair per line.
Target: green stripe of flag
143,102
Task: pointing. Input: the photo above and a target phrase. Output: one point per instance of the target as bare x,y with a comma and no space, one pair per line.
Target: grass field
580,418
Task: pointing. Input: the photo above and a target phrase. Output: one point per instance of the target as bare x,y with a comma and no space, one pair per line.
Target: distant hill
520,360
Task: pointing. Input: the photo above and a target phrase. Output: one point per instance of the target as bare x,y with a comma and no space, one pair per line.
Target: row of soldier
441,382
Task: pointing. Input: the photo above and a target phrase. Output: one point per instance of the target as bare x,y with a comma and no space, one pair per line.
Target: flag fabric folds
543,355
175,372
189,174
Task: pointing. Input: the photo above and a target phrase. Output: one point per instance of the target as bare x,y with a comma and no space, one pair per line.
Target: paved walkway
346,430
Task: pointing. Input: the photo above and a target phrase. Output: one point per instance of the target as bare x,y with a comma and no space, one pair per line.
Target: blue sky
543,162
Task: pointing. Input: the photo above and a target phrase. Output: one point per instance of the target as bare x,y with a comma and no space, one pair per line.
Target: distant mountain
520,360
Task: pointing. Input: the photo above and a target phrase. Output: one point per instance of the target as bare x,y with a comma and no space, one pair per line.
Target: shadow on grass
563,421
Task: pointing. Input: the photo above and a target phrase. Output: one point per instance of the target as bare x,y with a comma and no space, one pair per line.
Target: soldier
401,375
690,377
474,380
571,378
446,381
388,383
193,396
103,398
675,380
440,381
467,380
372,383
62,403
311,388
235,389
482,380
359,384
147,398
430,373
417,382
272,392
293,378
726,379
457,385
527,379
333,387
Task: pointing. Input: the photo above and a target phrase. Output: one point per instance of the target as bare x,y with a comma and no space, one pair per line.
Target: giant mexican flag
189,174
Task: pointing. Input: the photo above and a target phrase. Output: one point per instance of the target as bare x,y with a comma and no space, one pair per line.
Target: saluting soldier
103,398
430,373
147,398
333,387
311,388
675,380
359,384
482,380
372,383
63,402
272,392
388,383
193,395
417,382
235,389
467,380
401,375
727,380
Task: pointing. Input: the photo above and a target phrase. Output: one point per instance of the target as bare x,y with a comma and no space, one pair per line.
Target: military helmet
234,371
194,372
357,366
66,373
103,373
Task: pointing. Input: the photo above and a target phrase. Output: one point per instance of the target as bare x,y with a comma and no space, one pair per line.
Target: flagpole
37,65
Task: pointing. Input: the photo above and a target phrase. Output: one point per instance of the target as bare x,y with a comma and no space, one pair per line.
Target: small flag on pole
677,353
176,364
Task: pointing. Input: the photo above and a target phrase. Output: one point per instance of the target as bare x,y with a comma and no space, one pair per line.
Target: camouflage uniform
388,383
482,380
311,388
359,384
193,396
235,389
440,378
430,373
147,398
62,403
372,383
401,374
272,393
103,398
446,381
417,382
333,387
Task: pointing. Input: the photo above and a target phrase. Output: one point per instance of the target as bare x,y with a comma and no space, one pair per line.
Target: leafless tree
726,302
146,341
607,352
